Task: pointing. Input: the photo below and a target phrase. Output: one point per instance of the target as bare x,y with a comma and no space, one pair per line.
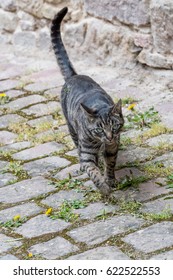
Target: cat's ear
90,112
116,108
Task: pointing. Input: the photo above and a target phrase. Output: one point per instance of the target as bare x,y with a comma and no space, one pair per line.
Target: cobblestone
40,225
140,154
95,210
9,84
55,200
165,138
45,165
145,191
159,206
101,253
24,210
164,256
6,120
38,151
24,190
40,121
54,248
43,109
8,257
22,102
5,245
13,93
73,170
94,234
6,178
16,146
160,233
7,137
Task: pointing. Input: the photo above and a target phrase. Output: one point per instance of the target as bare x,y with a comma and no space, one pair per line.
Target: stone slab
24,190
45,165
5,178
152,238
5,245
3,164
16,146
43,109
40,121
36,87
73,153
95,210
163,256
131,172
54,248
6,120
101,253
23,102
155,141
40,225
24,210
132,12
158,206
9,84
145,191
14,93
53,93
8,257
7,137
94,234
38,151
136,154
73,170
166,159
55,200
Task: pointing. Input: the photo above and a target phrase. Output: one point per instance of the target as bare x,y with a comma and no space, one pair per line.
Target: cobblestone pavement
48,209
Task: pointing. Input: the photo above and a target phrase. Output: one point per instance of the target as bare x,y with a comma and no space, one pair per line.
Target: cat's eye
99,130
116,127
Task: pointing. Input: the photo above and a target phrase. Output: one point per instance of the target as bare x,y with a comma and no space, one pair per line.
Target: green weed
143,119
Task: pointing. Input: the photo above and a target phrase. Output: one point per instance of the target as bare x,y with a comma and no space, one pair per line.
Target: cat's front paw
105,189
112,183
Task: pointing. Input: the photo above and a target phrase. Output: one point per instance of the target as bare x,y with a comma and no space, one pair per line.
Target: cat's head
105,124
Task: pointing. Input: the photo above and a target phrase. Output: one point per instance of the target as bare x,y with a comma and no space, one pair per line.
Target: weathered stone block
53,248
8,21
31,6
7,137
8,5
25,190
44,41
6,245
135,12
101,253
49,11
162,25
25,39
94,234
40,225
38,151
142,240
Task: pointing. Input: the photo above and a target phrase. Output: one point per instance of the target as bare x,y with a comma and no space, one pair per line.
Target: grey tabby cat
94,121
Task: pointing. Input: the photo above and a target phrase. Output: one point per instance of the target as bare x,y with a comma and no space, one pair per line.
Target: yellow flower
48,211
3,94
131,106
16,218
30,255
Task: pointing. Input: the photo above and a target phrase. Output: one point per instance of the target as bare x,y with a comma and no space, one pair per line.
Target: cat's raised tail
64,63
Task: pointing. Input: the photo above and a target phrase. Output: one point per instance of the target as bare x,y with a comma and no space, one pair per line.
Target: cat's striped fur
94,121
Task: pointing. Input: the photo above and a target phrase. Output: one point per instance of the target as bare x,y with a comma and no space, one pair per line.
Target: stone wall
108,31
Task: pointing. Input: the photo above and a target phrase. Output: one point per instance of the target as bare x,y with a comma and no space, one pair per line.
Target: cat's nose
109,136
